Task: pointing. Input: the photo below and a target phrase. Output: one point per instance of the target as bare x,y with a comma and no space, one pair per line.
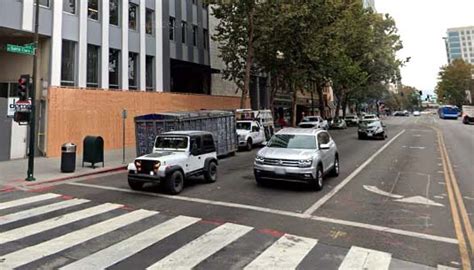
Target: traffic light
421,93
23,87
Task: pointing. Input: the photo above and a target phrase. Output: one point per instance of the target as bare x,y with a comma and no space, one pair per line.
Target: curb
54,180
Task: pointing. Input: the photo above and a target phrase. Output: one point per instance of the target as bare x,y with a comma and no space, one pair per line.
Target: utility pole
32,139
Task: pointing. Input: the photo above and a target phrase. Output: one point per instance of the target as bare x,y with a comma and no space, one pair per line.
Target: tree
454,80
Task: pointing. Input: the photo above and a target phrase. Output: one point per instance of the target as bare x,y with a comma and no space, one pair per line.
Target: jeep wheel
317,183
174,183
248,147
211,173
335,168
135,185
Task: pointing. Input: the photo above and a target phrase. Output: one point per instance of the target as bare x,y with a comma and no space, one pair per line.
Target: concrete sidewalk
13,172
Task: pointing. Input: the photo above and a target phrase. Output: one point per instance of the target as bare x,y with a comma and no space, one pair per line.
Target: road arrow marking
419,200
414,147
375,189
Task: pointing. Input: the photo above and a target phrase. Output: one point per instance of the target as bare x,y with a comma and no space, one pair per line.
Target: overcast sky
422,24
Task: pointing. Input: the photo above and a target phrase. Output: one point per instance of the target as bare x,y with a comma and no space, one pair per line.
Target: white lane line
28,200
344,182
55,222
286,253
36,252
444,267
39,210
132,245
367,259
201,248
279,212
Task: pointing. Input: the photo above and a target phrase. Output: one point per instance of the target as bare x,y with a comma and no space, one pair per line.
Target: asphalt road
390,198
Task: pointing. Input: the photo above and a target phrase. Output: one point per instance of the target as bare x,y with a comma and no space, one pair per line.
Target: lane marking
124,249
33,212
201,248
33,253
35,228
286,253
28,200
376,190
419,200
363,258
344,182
280,212
443,267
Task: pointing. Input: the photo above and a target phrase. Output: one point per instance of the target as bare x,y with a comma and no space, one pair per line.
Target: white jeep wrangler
176,156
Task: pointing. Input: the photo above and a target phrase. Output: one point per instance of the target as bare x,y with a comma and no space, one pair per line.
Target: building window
114,7
184,31
68,63
149,73
43,3
69,6
195,35
133,71
132,16
114,67
93,9
206,39
172,26
3,90
149,21
93,65
194,2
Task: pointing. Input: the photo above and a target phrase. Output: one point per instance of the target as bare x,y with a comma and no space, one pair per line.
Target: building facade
369,4
459,44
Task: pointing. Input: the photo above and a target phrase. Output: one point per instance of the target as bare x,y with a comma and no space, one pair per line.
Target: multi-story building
369,4
459,44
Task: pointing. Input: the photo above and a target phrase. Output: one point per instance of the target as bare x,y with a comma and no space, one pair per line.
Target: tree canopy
454,79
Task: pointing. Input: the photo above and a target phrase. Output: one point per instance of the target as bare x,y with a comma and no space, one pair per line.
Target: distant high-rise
459,44
369,4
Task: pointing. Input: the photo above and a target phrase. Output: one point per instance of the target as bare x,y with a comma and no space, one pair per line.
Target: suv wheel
249,145
175,182
335,168
211,173
259,180
317,183
135,185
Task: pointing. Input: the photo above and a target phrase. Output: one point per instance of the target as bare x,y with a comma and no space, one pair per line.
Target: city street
391,207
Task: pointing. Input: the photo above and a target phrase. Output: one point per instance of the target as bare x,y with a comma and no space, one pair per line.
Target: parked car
351,120
250,133
338,124
318,121
401,113
467,114
301,155
416,113
176,156
372,129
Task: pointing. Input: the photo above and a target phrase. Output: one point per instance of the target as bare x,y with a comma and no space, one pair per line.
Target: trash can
68,158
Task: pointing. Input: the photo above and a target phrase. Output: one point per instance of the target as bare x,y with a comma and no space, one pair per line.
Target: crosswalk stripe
28,200
132,245
286,253
201,248
367,259
55,222
33,253
39,210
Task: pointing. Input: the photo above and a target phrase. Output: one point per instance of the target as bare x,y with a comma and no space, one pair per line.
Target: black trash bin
93,150
68,158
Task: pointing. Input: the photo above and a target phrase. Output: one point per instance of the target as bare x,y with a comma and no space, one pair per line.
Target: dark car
372,129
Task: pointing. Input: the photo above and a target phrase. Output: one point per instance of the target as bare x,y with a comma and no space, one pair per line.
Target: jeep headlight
259,159
304,163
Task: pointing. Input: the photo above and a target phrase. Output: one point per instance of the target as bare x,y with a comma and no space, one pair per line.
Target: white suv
250,133
176,156
314,122
301,155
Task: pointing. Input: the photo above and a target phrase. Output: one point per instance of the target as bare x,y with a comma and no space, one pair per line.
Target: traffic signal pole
32,138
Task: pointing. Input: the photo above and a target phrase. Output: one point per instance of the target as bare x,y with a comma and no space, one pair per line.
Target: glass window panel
114,12
44,3
3,90
149,73
132,71
69,6
149,21
172,26
68,63
114,66
184,31
93,66
93,9
132,16
195,34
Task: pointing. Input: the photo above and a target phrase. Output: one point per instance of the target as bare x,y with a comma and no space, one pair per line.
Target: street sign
11,106
23,106
28,50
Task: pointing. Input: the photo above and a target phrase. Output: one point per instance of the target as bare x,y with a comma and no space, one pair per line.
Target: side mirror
324,146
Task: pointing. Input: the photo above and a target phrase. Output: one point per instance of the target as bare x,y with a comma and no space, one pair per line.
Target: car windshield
310,119
368,122
172,142
350,117
306,125
243,125
292,141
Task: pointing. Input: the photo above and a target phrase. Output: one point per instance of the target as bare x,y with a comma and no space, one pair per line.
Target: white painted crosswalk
157,236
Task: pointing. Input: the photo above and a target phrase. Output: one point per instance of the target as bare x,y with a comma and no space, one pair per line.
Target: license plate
369,134
280,171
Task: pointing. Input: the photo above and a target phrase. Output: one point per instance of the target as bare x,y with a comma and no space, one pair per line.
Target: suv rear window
208,144
292,141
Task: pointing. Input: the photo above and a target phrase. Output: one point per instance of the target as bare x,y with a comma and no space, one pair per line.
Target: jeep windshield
179,143
292,141
243,125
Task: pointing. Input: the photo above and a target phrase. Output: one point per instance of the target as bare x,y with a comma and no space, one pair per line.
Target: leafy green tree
454,80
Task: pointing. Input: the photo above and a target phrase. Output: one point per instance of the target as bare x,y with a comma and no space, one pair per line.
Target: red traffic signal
23,87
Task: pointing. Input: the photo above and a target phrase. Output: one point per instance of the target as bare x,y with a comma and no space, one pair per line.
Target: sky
422,24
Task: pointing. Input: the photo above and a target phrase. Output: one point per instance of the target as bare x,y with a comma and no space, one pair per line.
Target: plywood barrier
76,113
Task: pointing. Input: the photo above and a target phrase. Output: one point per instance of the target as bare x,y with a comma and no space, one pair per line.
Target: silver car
298,155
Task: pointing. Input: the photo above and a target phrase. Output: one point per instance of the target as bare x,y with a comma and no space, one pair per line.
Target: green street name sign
28,49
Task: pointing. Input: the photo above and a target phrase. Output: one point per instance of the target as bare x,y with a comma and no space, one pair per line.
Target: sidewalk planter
93,150
220,123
